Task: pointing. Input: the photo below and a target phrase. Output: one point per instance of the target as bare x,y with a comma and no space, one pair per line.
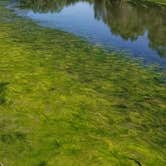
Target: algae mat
65,102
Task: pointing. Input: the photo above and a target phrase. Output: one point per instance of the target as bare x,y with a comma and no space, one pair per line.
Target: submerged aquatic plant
71,103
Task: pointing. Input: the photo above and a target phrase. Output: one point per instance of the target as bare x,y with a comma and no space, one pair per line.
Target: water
139,29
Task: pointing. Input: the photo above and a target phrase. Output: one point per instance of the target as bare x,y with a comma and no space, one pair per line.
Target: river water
136,28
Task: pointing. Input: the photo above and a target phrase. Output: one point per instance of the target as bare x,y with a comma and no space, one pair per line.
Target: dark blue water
137,29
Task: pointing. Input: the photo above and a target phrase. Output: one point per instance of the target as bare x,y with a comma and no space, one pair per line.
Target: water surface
139,29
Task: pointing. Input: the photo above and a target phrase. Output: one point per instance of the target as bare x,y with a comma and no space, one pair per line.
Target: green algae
66,102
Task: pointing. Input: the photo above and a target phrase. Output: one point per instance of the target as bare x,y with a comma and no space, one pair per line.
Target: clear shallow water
134,28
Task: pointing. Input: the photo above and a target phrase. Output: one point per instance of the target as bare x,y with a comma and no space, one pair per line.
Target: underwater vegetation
66,102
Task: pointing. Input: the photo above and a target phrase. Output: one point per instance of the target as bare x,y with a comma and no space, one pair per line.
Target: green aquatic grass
65,102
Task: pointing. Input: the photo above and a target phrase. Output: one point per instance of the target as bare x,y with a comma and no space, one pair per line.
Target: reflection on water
138,28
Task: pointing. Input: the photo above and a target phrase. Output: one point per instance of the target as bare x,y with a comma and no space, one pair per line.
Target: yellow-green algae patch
64,102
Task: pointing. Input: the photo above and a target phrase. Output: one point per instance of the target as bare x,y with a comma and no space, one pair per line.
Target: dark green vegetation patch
64,102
